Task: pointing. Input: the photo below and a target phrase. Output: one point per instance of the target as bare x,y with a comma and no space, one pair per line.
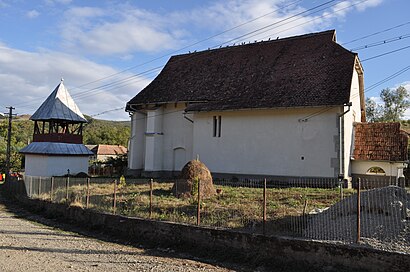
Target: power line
371,87
278,22
107,111
175,51
386,53
190,45
119,81
8,151
376,33
395,39
312,20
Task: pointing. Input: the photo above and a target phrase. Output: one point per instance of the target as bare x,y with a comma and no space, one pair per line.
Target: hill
106,132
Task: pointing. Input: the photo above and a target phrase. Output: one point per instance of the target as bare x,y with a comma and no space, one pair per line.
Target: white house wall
391,169
136,146
47,166
161,139
354,115
177,138
270,142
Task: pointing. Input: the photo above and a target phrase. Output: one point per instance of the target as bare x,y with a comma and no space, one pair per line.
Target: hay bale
187,185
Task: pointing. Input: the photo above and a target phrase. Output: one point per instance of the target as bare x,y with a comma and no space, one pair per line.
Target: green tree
394,104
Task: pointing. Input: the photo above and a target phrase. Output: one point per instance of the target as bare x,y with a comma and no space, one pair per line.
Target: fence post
67,184
87,197
358,210
30,185
115,197
151,185
198,215
39,188
51,189
264,207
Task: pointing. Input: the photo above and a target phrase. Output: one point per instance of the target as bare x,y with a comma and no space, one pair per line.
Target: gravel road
29,246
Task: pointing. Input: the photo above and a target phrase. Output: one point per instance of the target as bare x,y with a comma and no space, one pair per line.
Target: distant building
57,146
104,152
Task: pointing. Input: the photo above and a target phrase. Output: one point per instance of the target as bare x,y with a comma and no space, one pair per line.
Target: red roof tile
380,142
102,149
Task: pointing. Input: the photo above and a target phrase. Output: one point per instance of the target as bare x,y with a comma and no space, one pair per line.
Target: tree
374,111
394,104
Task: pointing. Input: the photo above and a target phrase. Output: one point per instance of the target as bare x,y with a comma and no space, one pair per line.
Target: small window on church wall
375,170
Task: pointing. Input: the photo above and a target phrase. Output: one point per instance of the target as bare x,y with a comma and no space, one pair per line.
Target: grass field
233,207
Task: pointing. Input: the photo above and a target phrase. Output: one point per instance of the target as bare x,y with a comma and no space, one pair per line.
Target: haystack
187,185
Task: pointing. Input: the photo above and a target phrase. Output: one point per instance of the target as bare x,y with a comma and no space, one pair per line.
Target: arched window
375,170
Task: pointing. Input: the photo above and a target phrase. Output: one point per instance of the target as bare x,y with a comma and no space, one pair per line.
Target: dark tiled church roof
303,71
380,142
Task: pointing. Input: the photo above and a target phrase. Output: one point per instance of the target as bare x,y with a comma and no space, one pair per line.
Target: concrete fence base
257,249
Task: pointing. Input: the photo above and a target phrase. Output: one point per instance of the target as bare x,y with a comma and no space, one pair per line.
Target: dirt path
28,246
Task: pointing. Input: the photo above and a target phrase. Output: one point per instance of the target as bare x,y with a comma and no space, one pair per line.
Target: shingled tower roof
59,106
303,71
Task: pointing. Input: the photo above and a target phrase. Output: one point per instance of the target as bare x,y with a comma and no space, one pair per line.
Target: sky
108,51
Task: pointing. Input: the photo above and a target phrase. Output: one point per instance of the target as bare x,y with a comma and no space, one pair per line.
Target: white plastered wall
390,168
161,139
354,115
47,166
136,148
177,138
270,142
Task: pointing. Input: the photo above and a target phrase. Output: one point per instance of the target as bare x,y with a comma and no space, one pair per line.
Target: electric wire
309,21
179,50
376,33
94,89
383,42
386,53
371,87
111,85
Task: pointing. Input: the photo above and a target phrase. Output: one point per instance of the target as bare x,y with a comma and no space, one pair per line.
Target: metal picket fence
375,210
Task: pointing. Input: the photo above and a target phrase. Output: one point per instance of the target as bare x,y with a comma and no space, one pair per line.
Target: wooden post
198,215
358,210
264,207
114,205
51,189
39,188
87,197
30,189
305,207
67,185
151,185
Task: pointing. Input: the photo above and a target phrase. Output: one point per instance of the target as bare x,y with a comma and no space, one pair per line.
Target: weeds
236,207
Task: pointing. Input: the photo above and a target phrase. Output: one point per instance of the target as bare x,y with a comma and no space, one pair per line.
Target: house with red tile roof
103,152
282,108
379,148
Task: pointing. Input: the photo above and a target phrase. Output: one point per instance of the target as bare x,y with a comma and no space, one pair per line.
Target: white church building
283,108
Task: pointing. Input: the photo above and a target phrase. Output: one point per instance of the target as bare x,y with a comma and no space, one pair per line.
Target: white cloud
54,2
32,14
282,19
123,31
29,77
361,6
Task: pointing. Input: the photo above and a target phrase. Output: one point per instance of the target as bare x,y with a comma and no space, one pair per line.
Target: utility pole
8,152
